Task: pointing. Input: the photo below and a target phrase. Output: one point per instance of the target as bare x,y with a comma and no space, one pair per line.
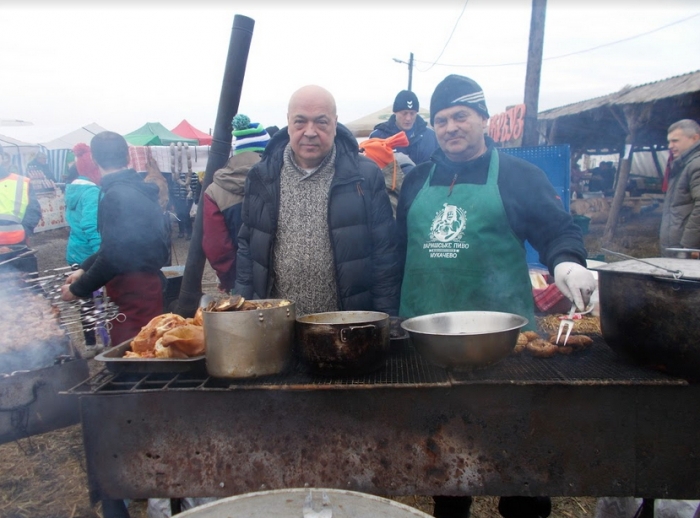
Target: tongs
567,323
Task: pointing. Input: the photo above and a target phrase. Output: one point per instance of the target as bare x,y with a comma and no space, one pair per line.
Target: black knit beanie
406,100
457,90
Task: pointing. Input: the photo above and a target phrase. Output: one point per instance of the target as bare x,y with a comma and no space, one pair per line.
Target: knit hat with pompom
83,162
249,136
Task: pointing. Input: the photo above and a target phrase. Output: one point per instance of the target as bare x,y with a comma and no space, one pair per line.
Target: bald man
317,222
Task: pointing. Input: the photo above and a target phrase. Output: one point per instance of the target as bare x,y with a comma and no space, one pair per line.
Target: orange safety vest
14,199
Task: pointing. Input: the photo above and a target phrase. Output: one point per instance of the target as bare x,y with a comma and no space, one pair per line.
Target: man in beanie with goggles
463,219
421,139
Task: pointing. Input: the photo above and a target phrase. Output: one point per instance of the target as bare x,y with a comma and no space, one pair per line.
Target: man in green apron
463,219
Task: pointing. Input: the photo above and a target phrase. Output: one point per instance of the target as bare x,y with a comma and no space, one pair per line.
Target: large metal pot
247,344
343,342
462,340
649,312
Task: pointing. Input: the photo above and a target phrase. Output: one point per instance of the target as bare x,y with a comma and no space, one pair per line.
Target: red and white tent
186,130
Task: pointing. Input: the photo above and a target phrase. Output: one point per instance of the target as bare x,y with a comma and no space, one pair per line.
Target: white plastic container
289,503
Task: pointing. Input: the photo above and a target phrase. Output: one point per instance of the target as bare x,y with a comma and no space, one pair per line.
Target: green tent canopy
165,136
143,140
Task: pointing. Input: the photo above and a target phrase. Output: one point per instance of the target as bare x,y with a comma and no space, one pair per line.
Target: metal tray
115,361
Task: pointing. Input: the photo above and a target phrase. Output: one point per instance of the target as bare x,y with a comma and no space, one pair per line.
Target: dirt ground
45,476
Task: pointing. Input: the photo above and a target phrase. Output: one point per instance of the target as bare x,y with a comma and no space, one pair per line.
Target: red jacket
222,216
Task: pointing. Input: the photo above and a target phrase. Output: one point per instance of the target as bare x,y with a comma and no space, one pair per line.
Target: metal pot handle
344,331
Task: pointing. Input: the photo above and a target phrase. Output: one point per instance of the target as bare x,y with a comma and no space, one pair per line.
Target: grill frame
598,433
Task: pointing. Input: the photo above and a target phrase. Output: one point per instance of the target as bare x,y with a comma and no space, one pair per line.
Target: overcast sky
122,66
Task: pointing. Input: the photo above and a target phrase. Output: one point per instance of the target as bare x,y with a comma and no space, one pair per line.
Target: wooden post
657,166
532,75
634,119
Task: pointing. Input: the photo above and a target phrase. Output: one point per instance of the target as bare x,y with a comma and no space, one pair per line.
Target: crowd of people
306,214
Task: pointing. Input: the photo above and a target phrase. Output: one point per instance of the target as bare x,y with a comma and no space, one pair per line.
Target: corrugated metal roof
649,92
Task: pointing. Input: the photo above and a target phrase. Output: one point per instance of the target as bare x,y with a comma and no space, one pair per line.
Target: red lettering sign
508,125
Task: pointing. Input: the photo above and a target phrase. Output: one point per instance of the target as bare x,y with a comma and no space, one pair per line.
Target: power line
448,39
563,55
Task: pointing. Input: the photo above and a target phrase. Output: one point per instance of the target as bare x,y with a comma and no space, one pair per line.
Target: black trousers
182,211
508,506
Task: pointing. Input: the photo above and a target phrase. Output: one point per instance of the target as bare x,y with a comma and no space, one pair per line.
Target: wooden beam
633,118
532,75
657,166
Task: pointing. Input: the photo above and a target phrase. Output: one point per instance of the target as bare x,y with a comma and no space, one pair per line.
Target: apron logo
446,233
448,224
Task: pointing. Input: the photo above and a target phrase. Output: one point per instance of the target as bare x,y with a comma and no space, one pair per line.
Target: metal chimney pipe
238,48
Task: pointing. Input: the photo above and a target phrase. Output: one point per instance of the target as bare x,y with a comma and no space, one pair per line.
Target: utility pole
410,69
534,69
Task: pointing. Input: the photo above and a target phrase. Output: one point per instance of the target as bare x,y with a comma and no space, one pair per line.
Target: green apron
462,254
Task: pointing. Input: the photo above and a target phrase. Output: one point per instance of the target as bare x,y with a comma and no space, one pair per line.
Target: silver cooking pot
649,310
247,344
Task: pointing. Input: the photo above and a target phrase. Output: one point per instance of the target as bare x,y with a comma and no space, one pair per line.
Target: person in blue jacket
82,196
421,139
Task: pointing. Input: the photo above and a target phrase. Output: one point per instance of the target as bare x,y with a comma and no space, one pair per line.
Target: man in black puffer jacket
317,222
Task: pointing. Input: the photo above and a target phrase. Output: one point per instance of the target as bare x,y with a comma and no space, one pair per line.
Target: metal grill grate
402,369
597,365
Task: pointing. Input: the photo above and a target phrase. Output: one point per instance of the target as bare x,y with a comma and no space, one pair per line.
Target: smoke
30,335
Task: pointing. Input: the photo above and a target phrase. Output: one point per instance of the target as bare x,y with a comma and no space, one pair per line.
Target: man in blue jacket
421,139
318,228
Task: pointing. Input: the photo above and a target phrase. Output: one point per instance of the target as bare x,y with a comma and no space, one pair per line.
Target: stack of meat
169,336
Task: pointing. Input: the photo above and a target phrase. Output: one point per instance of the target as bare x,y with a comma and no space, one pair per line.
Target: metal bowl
462,340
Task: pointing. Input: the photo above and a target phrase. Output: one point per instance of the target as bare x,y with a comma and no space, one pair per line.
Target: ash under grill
598,365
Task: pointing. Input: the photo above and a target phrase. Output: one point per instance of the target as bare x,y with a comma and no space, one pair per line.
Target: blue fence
555,161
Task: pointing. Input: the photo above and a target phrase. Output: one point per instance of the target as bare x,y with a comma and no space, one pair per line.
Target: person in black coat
317,222
421,139
134,243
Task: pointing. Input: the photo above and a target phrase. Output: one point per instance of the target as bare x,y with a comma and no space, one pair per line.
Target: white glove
575,282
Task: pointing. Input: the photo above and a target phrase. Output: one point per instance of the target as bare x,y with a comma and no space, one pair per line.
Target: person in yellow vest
20,213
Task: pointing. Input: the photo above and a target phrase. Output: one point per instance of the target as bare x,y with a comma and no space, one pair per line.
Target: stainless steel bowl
462,340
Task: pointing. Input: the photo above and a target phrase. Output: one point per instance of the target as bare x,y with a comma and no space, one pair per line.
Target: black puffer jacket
134,237
360,221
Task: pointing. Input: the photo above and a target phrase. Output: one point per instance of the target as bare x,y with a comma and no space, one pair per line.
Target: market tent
20,152
60,150
69,140
140,139
185,129
363,126
166,136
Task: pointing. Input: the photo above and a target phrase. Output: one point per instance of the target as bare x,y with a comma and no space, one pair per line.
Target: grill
597,366
590,425
36,362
